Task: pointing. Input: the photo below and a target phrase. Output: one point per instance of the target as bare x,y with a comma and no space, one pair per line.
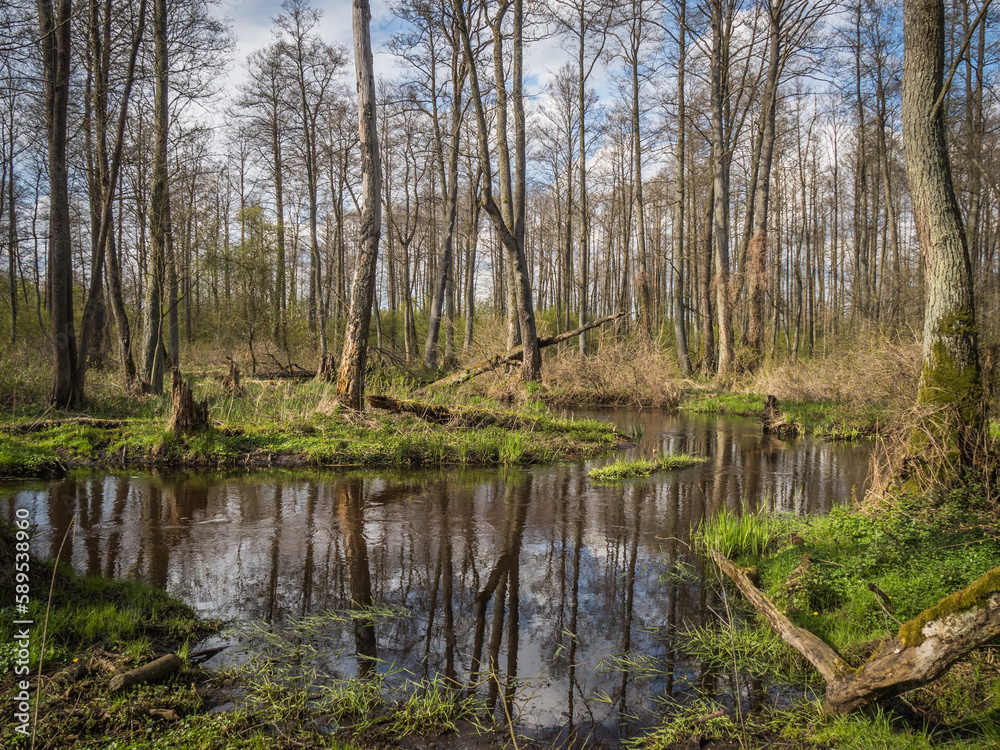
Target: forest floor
286,424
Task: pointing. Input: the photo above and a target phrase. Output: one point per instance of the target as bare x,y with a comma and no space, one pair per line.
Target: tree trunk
54,27
680,332
351,376
450,188
187,416
720,179
757,252
159,219
104,248
950,376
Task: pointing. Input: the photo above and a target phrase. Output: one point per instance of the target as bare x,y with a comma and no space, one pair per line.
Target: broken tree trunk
516,354
231,383
774,421
187,416
152,672
920,652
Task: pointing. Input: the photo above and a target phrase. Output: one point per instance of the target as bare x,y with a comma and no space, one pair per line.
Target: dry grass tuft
874,372
625,373
911,454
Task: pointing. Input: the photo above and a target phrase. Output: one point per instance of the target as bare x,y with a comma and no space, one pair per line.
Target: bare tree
55,27
507,218
351,376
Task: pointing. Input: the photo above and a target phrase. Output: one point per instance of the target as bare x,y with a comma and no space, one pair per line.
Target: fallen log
152,672
517,353
466,416
285,375
25,428
920,652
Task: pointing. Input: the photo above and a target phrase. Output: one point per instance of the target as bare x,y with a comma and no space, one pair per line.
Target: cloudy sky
252,22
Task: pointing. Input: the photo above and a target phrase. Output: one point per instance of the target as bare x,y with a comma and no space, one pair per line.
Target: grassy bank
828,419
871,569
286,423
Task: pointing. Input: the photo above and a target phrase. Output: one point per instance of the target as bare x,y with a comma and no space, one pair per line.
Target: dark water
571,590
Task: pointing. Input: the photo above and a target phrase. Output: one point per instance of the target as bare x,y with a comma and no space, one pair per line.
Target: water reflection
530,583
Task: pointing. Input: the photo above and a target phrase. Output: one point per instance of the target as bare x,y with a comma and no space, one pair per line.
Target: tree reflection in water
557,599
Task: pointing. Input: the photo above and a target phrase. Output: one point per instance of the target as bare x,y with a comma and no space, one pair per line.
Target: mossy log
517,353
919,653
464,416
187,416
152,672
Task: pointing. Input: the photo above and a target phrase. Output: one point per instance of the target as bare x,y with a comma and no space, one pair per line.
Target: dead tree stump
327,368
231,383
187,416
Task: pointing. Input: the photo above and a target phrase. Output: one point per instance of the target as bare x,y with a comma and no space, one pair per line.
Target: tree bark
680,332
920,652
720,179
757,251
351,376
950,376
54,28
159,210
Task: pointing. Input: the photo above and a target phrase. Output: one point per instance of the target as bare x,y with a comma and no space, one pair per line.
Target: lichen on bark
974,596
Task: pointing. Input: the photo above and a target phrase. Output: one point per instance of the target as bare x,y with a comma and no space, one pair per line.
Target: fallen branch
293,375
152,672
920,652
25,428
517,353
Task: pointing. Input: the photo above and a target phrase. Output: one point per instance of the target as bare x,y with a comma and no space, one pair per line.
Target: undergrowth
294,424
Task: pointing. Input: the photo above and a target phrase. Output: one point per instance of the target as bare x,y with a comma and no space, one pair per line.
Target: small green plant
738,533
642,467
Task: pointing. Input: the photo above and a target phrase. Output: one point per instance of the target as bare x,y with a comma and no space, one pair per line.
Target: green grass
289,424
286,695
917,550
642,467
833,420
738,534
733,404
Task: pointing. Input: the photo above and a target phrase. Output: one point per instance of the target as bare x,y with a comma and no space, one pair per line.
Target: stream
578,594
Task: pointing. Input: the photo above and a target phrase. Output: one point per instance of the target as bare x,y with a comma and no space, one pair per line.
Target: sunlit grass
738,533
642,467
